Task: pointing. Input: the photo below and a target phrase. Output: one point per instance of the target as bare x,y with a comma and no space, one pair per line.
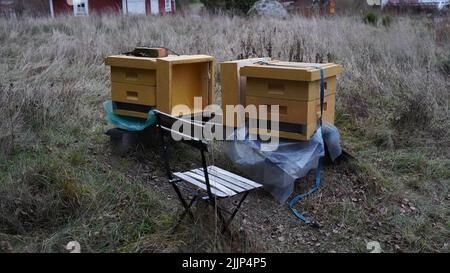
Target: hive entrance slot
131,95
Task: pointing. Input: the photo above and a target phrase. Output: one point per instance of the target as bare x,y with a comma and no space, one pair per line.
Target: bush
371,18
386,21
30,8
444,65
232,5
43,198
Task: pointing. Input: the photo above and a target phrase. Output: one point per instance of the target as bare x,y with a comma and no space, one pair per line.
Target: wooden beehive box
295,87
233,85
138,83
181,78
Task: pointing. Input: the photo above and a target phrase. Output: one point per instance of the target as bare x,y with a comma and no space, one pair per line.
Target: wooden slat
235,176
216,179
187,59
131,62
291,111
199,184
288,72
214,184
232,180
233,184
130,113
133,93
133,76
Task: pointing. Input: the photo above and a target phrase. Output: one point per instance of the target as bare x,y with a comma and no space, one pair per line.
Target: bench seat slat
199,184
232,180
235,176
220,180
223,183
212,182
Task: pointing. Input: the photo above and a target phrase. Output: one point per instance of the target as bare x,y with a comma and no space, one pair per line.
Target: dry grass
393,98
395,80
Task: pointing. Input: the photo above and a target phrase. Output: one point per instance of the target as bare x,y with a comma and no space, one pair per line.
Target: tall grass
395,79
56,182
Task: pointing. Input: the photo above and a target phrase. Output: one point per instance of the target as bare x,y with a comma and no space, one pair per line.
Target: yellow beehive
233,85
295,87
139,83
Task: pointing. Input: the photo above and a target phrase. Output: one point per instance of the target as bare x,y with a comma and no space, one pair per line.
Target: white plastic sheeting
278,170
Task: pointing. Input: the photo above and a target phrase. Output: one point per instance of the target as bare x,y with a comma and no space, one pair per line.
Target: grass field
59,180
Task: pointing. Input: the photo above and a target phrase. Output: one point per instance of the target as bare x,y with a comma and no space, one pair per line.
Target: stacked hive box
140,83
233,86
295,87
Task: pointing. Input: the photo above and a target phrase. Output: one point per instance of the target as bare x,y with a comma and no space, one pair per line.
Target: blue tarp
127,123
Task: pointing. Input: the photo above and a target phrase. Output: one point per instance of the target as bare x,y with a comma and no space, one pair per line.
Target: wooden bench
212,183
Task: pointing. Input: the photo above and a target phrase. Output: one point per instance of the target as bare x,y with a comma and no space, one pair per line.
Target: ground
354,206
62,180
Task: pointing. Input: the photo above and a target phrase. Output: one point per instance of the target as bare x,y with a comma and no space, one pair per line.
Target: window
136,6
80,7
154,6
168,5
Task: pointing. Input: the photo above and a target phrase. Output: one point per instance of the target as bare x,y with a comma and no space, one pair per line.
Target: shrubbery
386,21
371,18
241,6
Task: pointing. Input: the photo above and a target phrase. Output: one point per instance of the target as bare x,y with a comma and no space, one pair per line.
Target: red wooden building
86,7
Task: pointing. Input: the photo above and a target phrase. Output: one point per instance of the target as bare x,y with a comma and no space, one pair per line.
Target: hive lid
150,63
131,61
187,59
291,70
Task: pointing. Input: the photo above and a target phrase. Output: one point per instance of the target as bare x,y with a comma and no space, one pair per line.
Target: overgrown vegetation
50,197
371,18
386,21
59,182
27,8
240,6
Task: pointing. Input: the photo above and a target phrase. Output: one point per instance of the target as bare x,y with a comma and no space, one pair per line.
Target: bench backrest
174,126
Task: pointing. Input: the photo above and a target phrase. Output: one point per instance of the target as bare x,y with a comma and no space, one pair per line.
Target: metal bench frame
225,184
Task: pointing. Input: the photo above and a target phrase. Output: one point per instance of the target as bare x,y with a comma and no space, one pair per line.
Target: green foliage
42,195
371,18
444,65
386,21
232,5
